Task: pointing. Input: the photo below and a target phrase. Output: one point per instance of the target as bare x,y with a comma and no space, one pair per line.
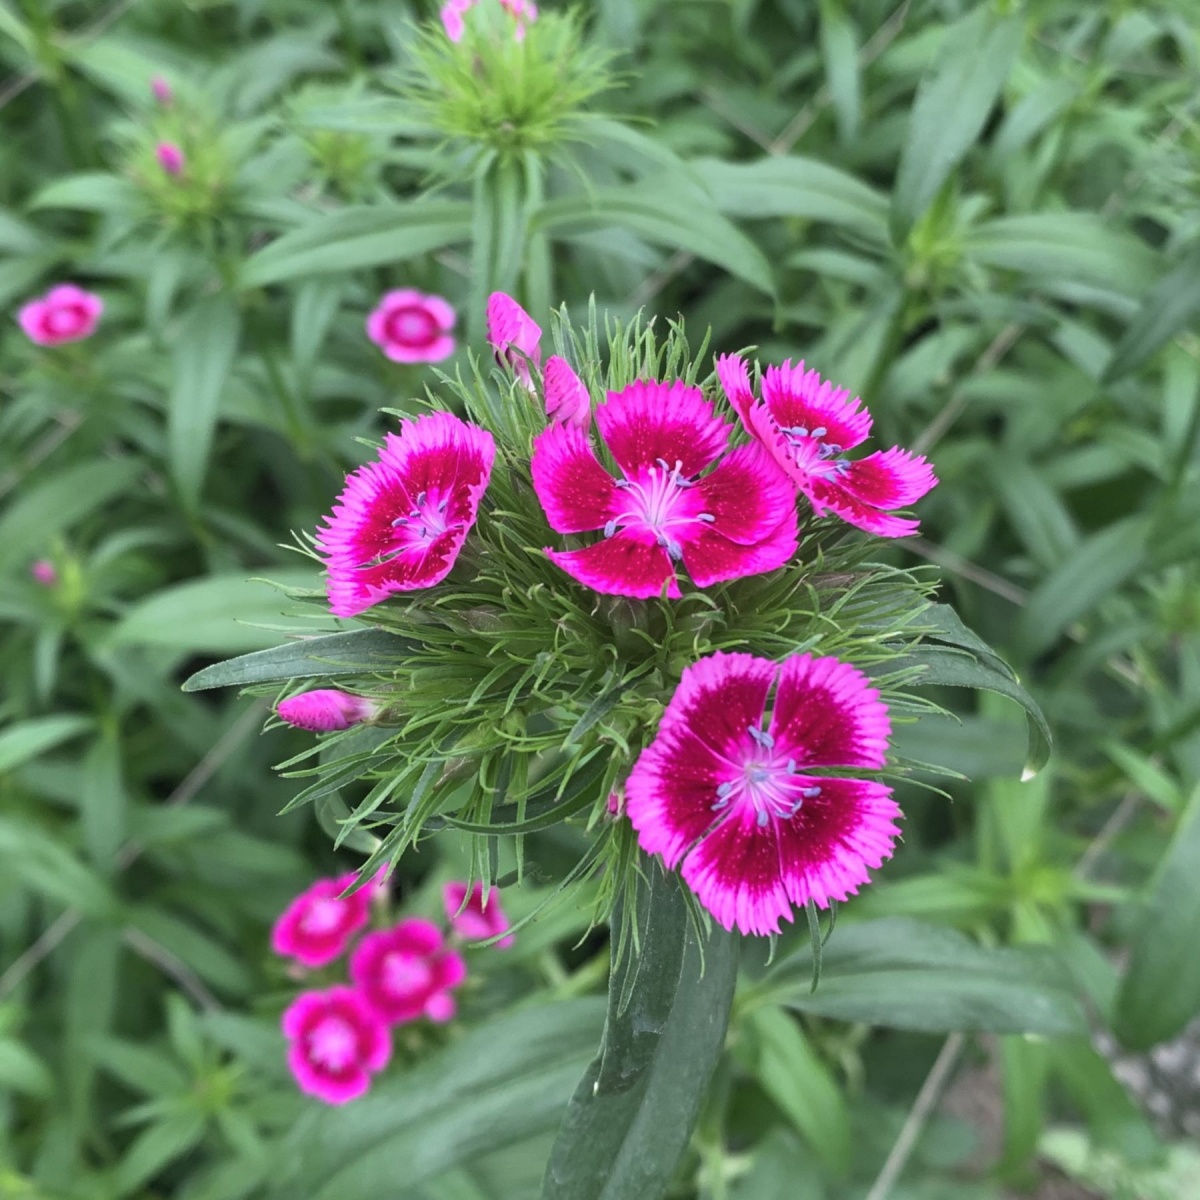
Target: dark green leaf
27,739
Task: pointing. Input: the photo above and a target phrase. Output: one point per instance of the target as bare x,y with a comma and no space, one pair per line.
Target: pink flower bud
514,336
162,90
325,710
170,157
44,573
567,400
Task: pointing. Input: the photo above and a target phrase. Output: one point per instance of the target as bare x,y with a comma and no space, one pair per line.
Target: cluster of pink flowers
523,12
735,787
338,1037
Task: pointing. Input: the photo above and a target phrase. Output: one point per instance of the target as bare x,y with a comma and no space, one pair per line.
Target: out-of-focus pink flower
567,400
337,1042
170,157
43,572
412,327
317,926
401,521
522,11
514,335
161,90
452,18
476,919
325,710
66,313
408,972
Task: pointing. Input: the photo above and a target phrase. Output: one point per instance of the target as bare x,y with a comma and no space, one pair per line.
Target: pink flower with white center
514,336
337,1042
807,425
412,327
473,918
317,926
325,710
567,400
408,972
161,90
402,520
170,157
66,313
44,572
734,786
739,519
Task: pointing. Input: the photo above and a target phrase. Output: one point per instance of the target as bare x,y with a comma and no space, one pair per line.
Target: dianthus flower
412,327
161,90
567,400
66,313
44,572
734,785
325,710
337,1041
807,425
739,519
407,972
454,11
476,919
170,157
317,926
514,336
401,520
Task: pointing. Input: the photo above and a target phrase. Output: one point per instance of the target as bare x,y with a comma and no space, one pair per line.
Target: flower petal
622,565
575,491
800,398
748,495
647,421
889,478
735,380
567,400
827,495
710,558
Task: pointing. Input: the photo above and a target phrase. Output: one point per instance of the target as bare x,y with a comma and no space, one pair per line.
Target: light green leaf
103,802
157,1147
94,191
839,50
22,1071
27,739
40,862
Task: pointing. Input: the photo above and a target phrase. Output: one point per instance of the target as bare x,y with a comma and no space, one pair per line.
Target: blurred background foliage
982,217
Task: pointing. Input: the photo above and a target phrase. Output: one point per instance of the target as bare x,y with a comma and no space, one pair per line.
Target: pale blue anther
761,737
610,527
707,518
622,483
810,793
762,818
820,431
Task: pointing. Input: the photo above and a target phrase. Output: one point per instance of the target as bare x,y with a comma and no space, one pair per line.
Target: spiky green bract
528,697
492,93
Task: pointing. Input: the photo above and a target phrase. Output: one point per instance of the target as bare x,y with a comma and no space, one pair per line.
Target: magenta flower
412,327
170,157
807,425
66,313
567,400
452,18
325,710
514,336
407,972
401,520
317,926
471,917
44,572
161,90
733,785
739,519
337,1042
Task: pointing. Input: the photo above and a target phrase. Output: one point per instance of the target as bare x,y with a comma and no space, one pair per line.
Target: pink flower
807,425
740,798
476,920
325,710
161,90
170,157
524,11
317,926
336,1043
401,520
452,18
567,400
454,11
739,519
514,335
412,327
407,972
44,572
66,313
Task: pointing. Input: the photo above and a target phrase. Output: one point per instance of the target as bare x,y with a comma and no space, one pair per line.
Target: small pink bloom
739,519
740,797
161,90
66,313
401,520
325,710
807,425
170,157
337,1042
567,400
514,336
452,18
476,920
412,327
43,572
317,926
408,972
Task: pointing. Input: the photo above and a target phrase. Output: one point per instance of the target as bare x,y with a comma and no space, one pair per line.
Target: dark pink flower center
424,523
659,503
768,783
62,320
412,326
818,457
404,974
324,915
333,1043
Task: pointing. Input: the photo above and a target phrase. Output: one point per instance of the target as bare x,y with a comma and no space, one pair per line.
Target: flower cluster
523,12
340,1036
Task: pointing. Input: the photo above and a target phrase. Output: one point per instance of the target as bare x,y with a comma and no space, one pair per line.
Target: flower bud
325,710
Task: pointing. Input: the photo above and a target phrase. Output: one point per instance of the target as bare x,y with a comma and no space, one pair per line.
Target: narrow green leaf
40,862
95,191
22,1071
103,803
27,739
839,51
156,1148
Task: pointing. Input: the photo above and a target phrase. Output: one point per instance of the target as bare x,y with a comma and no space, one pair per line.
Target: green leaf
103,803
147,1072
1160,991
634,1110
184,940
157,1147
359,237
506,1080
1167,309
905,974
22,1071
357,652
952,105
839,51
94,191
27,739
201,358
43,864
